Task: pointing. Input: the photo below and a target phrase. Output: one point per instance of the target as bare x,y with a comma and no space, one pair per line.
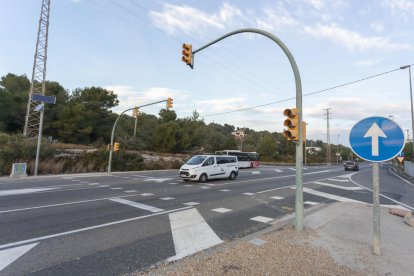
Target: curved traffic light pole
299,145
169,101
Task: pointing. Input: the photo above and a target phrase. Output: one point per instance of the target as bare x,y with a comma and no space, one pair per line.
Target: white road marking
117,188
249,194
277,197
338,186
278,171
158,180
225,190
167,198
84,182
173,183
305,169
88,228
255,172
405,180
292,169
131,191
103,186
125,177
191,233
338,180
191,203
212,185
188,185
329,196
23,191
221,210
275,189
262,219
346,175
8,256
311,203
137,175
92,184
205,187
152,209
146,194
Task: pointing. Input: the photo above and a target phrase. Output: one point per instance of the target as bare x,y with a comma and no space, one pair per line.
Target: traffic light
188,54
169,103
108,147
116,146
135,112
292,131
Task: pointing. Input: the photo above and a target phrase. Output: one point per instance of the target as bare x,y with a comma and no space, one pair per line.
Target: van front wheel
203,178
232,175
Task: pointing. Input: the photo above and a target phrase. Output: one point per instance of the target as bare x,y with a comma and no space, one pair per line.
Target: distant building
313,150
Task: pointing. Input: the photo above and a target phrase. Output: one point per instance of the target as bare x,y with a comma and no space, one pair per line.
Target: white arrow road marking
375,132
23,191
338,186
191,233
7,256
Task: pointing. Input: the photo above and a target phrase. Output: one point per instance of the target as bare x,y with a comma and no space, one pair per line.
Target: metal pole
39,140
299,145
412,114
376,209
135,128
305,153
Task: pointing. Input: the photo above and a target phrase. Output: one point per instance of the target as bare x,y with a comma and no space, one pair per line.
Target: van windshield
196,160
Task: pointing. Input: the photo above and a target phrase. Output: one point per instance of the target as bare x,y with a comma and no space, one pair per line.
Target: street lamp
411,97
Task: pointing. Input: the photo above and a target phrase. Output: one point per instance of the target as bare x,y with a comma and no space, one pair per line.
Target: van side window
209,162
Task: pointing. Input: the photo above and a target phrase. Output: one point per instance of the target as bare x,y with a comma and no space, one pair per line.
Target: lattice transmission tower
34,118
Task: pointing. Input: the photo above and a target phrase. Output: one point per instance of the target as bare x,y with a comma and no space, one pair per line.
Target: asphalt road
126,222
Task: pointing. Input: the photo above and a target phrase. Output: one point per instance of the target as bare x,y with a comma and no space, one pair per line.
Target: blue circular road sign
376,139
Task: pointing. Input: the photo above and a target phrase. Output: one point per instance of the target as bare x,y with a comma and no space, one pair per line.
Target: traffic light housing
135,112
108,147
188,54
169,103
292,124
116,146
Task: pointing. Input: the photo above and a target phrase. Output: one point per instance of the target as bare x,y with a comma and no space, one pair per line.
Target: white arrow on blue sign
376,139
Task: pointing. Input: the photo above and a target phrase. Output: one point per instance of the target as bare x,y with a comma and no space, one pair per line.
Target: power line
304,95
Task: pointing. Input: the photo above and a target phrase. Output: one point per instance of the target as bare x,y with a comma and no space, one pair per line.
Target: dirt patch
285,252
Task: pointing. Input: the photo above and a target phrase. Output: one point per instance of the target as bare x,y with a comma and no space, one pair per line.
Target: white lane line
152,209
131,191
205,187
93,184
346,175
338,180
103,186
405,180
188,185
191,233
329,196
338,186
9,255
249,194
262,219
275,189
23,191
221,210
167,198
158,180
172,183
225,190
146,194
305,169
88,228
255,172
292,169
278,170
191,203
311,203
117,188
277,197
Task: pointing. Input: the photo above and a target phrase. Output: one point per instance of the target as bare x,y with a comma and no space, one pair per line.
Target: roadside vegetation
77,131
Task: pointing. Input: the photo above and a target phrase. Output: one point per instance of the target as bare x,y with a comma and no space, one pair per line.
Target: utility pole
408,135
328,135
34,114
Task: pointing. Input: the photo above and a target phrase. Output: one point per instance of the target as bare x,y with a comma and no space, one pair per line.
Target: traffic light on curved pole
169,103
116,146
292,131
188,54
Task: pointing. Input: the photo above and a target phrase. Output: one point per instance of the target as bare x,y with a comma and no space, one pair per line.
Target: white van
204,167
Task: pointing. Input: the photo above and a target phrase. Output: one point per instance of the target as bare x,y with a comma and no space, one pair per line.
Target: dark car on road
351,166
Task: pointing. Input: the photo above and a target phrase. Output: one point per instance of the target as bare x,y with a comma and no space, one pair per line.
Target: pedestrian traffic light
135,112
292,131
188,54
116,146
169,103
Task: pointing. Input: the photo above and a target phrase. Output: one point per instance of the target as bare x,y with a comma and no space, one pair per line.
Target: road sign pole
39,141
376,209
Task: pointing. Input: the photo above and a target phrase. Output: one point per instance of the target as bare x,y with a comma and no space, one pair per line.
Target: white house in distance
313,150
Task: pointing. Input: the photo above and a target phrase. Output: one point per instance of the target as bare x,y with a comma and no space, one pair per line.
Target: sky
133,47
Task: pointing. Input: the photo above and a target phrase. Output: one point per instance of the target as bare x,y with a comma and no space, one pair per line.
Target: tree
267,147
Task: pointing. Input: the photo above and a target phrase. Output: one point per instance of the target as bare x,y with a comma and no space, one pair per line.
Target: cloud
221,105
353,40
277,19
182,18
